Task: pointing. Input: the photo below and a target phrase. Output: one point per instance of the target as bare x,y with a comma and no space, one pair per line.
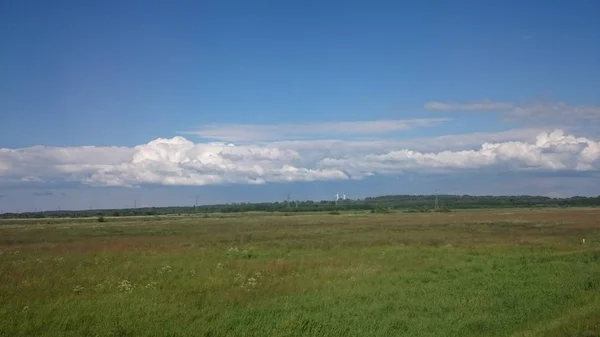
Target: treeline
411,203
469,201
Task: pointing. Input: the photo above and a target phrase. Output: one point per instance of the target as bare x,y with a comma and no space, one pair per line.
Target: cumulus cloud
550,151
179,161
258,132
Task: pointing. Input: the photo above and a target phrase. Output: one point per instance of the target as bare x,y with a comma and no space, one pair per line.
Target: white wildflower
78,289
125,286
151,286
250,283
220,265
165,269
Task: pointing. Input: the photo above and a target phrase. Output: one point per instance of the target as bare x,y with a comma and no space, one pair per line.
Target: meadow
465,273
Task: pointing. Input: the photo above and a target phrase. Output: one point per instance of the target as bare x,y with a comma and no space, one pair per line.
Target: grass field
471,273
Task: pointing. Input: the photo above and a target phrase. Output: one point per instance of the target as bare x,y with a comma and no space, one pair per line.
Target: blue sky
316,96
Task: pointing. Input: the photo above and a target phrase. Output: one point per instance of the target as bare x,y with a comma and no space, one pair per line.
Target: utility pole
436,202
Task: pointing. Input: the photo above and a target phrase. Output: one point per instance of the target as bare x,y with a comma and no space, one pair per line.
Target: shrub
100,219
381,210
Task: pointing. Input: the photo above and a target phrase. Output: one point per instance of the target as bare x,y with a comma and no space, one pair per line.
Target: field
467,273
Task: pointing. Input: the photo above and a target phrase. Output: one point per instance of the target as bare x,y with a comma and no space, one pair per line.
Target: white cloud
538,112
484,105
550,151
258,132
178,161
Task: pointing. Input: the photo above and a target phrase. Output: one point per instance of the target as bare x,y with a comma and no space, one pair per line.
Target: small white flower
78,289
165,269
220,265
125,286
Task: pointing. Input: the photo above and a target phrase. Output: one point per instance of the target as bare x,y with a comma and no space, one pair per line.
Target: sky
151,103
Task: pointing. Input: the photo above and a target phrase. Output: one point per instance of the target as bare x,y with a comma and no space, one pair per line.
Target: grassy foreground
480,273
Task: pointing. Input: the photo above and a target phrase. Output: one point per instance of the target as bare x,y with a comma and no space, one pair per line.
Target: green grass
453,274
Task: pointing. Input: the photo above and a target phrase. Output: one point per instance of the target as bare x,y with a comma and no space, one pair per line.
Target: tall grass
479,274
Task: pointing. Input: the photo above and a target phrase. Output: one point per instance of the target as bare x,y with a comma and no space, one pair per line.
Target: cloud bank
179,161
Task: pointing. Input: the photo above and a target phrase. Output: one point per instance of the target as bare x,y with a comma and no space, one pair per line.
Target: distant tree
443,209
